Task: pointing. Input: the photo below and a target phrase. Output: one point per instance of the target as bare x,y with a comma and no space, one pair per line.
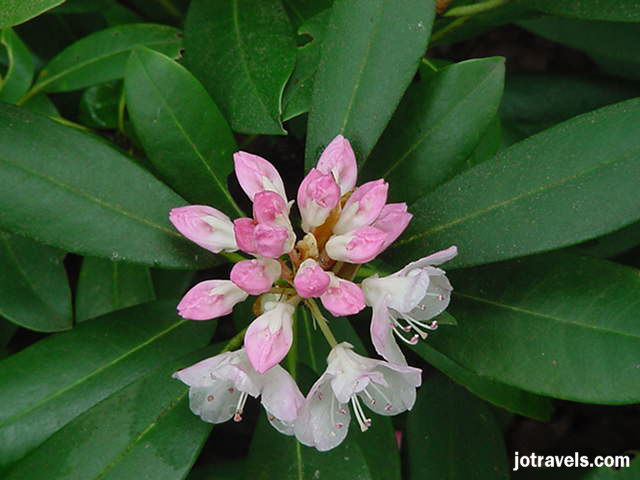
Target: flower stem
321,321
235,341
443,32
475,8
234,257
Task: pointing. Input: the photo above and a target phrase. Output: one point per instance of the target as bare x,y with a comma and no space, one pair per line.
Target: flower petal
269,337
206,226
256,276
362,207
210,299
397,394
382,333
281,398
393,220
256,174
338,158
311,280
358,246
342,297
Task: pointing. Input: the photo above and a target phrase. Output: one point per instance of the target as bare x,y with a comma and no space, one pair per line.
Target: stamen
429,294
389,406
371,399
412,341
240,406
413,324
363,421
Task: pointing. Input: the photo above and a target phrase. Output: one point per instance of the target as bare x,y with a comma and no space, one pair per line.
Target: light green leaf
559,325
102,56
619,11
452,434
52,382
243,52
19,75
436,127
145,430
34,290
565,185
13,12
105,286
370,54
183,133
68,189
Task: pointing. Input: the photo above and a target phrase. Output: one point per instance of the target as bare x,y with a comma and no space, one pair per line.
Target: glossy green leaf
145,430
13,12
300,11
565,185
618,11
557,324
626,473
296,99
243,52
453,435
534,102
99,105
34,290
17,79
52,382
371,52
505,396
183,133
65,188
102,56
489,144
436,127
171,283
42,105
613,244
608,43
105,286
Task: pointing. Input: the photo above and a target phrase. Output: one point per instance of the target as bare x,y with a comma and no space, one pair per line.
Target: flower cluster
344,226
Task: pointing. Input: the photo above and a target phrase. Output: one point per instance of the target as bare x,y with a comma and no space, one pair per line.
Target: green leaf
300,11
534,102
618,11
559,325
42,105
99,105
296,99
105,286
565,185
102,56
454,435
489,144
436,127
183,133
34,290
65,188
145,430
13,12
171,283
613,244
608,43
605,473
52,382
505,396
371,52
243,52
17,79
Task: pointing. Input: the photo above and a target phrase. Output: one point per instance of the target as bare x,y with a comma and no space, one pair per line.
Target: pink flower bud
270,336
363,207
272,241
338,158
256,174
311,280
244,232
269,207
210,299
393,220
342,297
317,196
256,276
206,226
359,246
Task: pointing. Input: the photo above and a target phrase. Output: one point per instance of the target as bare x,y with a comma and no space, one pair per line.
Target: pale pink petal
269,337
244,232
268,206
343,298
317,196
404,293
322,422
363,206
359,246
433,259
397,393
256,174
281,398
382,333
256,276
311,280
393,220
338,158
210,299
271,241
206,226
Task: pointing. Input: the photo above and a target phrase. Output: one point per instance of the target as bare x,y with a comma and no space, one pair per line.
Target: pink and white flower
269,337
358,246
343,297
211,299
363,207
317,196
311,280
404,301
385,388
206,226
339,160
256,276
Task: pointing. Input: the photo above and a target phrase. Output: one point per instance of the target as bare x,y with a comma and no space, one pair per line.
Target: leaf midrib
73,385
564,321
515,198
